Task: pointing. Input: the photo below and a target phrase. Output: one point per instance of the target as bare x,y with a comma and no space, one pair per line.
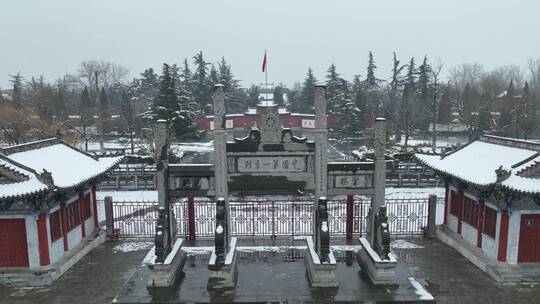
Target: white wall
469,233
56,250
74,237
32,240
514,227
452,222
89,226
490,246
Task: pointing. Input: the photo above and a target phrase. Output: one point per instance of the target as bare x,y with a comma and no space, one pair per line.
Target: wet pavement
99,277
270,277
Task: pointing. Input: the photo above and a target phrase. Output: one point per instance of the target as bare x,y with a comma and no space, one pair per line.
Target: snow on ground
132,246
201,147
441,141
413,192
203,250
420,193
403,244
128,196
420,290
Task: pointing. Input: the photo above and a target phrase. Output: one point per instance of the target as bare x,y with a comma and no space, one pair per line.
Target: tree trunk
131,141
85,138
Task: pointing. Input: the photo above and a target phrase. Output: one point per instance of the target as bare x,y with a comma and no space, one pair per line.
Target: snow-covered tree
202,91
174,104
337,92
304,102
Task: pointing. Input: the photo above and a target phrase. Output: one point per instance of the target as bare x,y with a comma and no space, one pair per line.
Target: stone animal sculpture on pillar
382,235
322,237
161,239
221,237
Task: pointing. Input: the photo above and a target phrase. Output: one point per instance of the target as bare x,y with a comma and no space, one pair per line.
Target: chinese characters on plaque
254,164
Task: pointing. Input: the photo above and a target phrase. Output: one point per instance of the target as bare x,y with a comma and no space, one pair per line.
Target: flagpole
266,74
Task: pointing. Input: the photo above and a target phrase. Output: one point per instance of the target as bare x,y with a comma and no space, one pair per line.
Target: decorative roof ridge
510,142
524,172
12,174
444,155
17,164
526,160
30,146
79,150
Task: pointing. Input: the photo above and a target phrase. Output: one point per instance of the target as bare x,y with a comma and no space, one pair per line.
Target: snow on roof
68,166
476,163
303,115
28,186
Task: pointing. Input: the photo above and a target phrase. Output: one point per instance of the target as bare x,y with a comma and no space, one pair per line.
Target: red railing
406,217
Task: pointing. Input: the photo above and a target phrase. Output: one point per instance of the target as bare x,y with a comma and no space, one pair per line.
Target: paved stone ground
97,278
449,277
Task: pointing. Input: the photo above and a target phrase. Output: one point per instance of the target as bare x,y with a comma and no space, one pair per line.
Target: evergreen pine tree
186,76
527,113
104,110
147,88
484,115
407,119
445,107
235,97
278,96
394,91
424,94
253,96
184,123
87,115
202,91
166,102
128,114
292,99
506,118
304,102
371,82
357,111
16,95
60,105
213,77
176,105
336,91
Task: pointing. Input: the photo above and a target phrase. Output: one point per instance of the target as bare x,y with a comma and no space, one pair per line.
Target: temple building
48,210
241,124
492,200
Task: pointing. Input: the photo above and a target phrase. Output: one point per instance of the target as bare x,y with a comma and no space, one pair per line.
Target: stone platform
266,276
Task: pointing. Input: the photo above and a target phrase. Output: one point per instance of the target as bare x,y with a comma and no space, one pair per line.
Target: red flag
264,62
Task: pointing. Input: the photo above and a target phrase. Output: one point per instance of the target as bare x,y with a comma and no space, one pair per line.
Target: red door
13,246
529,238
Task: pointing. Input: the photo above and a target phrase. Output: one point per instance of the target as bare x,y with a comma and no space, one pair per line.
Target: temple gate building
492,201
48,211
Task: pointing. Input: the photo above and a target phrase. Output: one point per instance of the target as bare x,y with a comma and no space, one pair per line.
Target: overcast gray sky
51,37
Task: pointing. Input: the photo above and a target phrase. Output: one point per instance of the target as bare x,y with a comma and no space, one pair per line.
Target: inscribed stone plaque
271,164
353,181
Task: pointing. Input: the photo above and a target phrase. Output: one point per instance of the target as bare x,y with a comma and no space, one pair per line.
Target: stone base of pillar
380,271
319,274
225,274
165,274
